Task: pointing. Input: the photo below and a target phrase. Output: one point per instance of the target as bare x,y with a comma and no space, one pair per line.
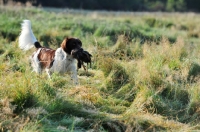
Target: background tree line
128,5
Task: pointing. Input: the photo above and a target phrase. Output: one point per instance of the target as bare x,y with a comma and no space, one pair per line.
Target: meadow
144,76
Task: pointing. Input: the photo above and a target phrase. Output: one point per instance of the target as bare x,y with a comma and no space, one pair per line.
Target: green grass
144,77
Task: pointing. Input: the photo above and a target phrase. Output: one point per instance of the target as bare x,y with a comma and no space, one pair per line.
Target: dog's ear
66,45
64,42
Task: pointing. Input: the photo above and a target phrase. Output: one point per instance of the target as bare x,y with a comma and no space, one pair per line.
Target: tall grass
144,76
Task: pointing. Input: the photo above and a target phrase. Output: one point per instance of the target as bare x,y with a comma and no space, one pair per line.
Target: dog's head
71,46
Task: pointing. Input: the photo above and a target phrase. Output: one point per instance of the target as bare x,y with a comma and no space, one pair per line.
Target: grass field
144,76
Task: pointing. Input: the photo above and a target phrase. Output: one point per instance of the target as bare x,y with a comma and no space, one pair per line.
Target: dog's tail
27,39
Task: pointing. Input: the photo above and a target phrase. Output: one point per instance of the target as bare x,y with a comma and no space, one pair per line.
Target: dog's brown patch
46,57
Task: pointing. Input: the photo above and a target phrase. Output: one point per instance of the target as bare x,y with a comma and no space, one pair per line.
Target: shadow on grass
61,109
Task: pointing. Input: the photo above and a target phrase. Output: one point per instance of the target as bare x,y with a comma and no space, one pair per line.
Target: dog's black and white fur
60,60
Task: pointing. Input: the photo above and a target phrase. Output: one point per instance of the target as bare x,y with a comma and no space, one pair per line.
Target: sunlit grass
144,75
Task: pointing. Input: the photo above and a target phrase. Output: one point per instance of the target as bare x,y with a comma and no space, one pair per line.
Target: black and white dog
61,60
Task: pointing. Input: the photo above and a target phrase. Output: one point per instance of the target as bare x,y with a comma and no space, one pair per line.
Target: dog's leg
74,77
35,65
48,73
73,72
35,62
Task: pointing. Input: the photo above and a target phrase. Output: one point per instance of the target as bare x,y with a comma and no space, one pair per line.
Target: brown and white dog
60,60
